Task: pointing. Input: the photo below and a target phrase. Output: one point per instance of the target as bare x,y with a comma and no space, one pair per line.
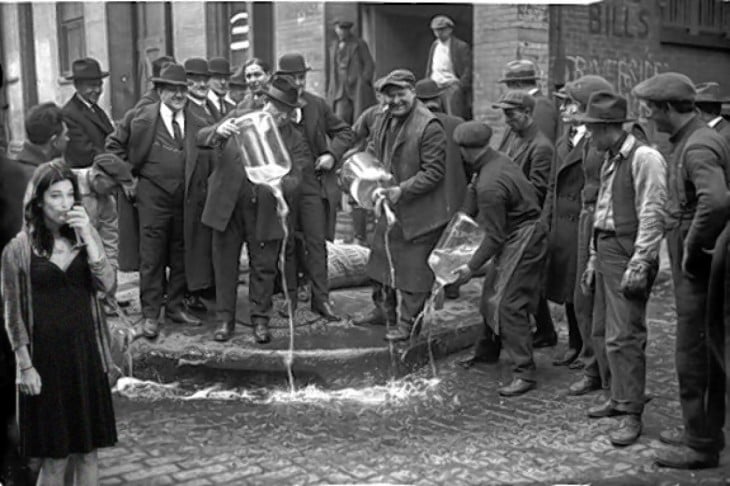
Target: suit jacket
357,84
455,177
214,107
87,132
533,153
460,58
723,128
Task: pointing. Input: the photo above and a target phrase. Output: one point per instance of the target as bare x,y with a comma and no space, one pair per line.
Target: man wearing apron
506,206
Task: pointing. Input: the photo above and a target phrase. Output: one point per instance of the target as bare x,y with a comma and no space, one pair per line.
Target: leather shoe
195,303
150,328
325,310
541,341
684,457
568,357
261,332
672,437
517,387
628,433
576,365
375,317
401,332
585,385
224,331
605,409
181,317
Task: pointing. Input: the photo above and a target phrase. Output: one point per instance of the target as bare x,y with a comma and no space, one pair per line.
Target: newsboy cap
666,87
520,70
345,24
401,78
474,134
582,88
515,98
441,22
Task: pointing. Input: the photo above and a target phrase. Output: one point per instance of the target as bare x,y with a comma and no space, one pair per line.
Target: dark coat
357,86
533,153
17,171
325,133
723,128
455,174
460,58
545,116
87,132
132,143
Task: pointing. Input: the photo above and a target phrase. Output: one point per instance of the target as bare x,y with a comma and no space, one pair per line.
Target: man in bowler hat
88,125
697,215
219,70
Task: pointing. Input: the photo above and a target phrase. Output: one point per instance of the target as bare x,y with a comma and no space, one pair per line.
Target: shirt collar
168,114
713,123
84,100
196,100
625,144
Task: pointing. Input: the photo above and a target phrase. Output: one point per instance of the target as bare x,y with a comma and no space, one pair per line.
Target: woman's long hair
43,178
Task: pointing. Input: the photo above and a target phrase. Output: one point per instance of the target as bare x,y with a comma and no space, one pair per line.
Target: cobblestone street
459,432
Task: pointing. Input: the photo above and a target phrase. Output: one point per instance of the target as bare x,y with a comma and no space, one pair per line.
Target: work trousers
619,325
161,246
411,303
262,258
454,101
700,377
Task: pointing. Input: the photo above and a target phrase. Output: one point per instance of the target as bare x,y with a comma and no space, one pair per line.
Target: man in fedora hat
349,84
450,65
697,214
239,211
628,228
237,87
160,145
709,101
220,71
522,74
506,207
315,211
88,125
198,75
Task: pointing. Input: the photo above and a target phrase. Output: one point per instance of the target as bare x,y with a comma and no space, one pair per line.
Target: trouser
454,101
515,335
543,319
360,223
344,110
309,215
411,303
575,341
701,383
161,246
619,325
262,259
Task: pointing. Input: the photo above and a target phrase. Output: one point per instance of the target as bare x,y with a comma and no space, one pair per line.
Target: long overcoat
357,85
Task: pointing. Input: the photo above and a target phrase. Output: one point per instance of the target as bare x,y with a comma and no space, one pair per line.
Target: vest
625,220
165,164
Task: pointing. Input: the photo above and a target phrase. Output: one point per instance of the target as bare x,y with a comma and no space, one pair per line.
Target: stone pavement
461,432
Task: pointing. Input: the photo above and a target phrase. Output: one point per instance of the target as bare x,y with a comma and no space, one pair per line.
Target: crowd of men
574,200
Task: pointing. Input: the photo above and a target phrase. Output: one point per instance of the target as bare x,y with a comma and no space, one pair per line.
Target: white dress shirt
713,123
167,115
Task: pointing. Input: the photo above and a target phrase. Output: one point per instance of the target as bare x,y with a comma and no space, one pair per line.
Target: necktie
571,137
178,133
223,105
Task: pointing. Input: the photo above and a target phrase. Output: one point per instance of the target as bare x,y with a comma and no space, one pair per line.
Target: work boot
401,332
517,387
225,331
566,358
486,350
376,317
606,409
325,310
585,385
672,437
685,457
261,331
629,431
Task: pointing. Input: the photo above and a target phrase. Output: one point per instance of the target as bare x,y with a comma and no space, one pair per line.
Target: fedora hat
86,68
196,66
520,70
605,107
173,74
292,63
281,89
427,89
581,89
219,66
710,93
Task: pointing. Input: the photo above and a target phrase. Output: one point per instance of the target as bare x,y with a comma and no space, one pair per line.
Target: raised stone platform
328,354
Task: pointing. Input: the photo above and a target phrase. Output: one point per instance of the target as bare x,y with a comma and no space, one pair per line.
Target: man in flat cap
709,101
627,230
219,70
506,207
349,83
410,141
450,65
697,213
88,125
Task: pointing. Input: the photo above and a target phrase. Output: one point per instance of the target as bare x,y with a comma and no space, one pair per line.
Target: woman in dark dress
51,273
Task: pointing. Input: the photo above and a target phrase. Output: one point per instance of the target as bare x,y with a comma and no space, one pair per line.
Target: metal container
361,174
457,245
263,152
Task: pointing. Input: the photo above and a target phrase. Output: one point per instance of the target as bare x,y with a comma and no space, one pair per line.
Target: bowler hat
86,68
114,167
472,134
196,66
582,88
666,87
292,63
709,93
605,107
401,78
284,91
515,98
520,70
173,74
219,66
238,78
441,22
427,89
345,24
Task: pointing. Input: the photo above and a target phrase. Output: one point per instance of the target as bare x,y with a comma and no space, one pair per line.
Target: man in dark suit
349,84
219,70
196,69
709,101
450,65
160,144
315,210
88,125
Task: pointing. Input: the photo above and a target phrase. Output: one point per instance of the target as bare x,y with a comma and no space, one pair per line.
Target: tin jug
263,152
457,245
361,174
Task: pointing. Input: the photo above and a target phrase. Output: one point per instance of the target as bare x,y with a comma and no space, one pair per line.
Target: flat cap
710,92
515,98
472,134
378,84
114,167
345,24
401,78
582,88
441,22
666,87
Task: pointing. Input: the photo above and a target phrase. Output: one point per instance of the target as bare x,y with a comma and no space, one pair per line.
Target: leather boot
673,437
517,387
585,385
150,328
685,457
628,433
225,331
486,350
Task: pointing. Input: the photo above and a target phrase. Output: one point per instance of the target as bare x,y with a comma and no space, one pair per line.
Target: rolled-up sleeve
649,170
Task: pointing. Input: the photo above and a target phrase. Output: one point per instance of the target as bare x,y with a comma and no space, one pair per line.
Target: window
71,37
704,23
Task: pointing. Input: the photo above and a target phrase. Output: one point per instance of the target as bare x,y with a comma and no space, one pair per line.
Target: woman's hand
78,219
28,381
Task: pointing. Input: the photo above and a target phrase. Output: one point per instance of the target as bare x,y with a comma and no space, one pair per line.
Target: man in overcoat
450,65
697,214
349,84
219,70
160,144
88,125
315,210
709,101
506,207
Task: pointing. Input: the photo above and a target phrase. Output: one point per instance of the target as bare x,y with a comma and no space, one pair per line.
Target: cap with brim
401,78
282,90
86,69
238,79
292,64
668,86
581,89
345,24
173,75
515,99
441,22
472,134
605,107
196,66
520,70
219,66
